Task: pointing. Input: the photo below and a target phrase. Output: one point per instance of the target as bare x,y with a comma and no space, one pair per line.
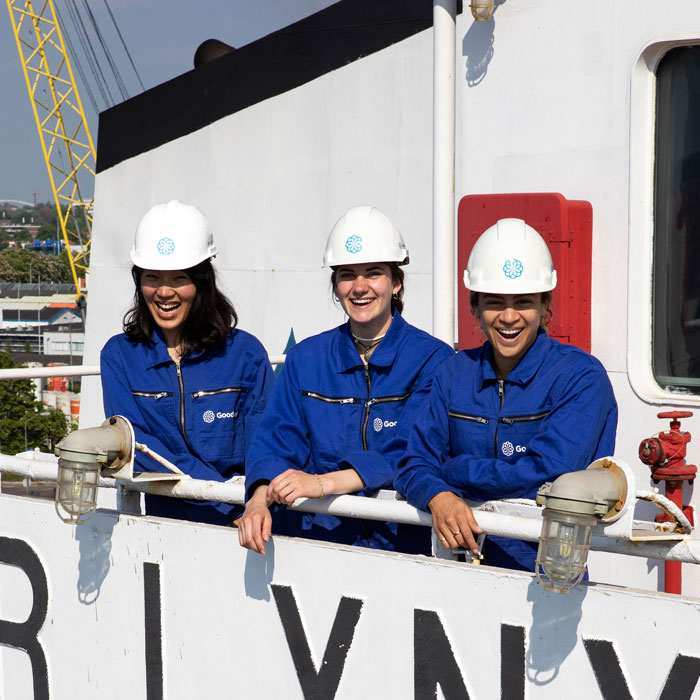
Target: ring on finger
443,539
459,532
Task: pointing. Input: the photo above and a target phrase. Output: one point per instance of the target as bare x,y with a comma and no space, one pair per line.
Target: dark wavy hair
209,321
397,277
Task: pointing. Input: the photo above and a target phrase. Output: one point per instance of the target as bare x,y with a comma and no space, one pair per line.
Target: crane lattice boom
63,130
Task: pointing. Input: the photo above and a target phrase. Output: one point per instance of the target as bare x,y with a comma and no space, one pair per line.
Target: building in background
41,326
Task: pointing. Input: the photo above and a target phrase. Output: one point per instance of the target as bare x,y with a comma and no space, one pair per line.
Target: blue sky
162,36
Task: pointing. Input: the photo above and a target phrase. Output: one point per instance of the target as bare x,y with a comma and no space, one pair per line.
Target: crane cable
126,49
78,64
86,44
90,53
108,55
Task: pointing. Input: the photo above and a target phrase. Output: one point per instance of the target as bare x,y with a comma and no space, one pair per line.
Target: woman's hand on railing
255,525
453,521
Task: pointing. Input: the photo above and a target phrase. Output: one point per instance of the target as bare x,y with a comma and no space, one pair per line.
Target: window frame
641,225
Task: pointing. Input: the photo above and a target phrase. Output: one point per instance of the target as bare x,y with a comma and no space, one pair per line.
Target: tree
22,235
19,409
51,268
46,232
7,272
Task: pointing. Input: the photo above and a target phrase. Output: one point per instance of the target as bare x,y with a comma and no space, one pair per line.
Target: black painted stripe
512,662
153,631
24,635
322,684
682,678
606,667
434,661
332,38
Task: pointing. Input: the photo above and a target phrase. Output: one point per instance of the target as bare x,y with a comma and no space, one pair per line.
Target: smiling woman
339,417
191,383
517,411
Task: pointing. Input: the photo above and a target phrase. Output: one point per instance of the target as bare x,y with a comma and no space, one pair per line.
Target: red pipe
665,454
672,569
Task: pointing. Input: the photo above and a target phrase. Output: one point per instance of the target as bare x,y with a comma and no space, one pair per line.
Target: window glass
676,272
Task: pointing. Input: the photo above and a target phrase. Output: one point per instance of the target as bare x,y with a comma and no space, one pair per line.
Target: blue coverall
485,438
329,411
199,415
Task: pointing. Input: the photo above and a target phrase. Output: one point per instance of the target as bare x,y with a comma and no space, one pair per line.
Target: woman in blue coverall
338,419
191,383
517,411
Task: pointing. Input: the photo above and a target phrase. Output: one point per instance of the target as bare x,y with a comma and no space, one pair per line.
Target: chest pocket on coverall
218,423
335,427
470,434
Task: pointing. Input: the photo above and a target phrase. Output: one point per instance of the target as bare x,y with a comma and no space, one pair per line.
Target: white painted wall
552,97
222,634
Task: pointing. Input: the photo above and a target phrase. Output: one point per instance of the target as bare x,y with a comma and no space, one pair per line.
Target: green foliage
46,232
46,215
14,266
7,272
19,408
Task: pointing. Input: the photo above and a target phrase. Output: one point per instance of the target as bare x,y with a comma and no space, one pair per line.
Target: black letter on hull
606,667
433,660
682,679
321,685
679,685
153,631
24,635
512,662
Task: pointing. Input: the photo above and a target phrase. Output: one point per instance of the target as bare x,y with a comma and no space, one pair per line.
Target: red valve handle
674,415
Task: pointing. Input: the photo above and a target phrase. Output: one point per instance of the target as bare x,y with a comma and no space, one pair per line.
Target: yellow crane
60,119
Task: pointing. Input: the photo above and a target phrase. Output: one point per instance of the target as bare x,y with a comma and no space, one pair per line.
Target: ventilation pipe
444,274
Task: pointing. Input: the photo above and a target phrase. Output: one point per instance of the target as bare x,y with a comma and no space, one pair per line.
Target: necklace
369,344
367,340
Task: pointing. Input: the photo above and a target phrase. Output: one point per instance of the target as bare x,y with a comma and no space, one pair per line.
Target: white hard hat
172,236
364,235
510,258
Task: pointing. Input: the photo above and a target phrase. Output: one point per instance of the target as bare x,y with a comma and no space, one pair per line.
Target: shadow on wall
477,47
554,631
95,543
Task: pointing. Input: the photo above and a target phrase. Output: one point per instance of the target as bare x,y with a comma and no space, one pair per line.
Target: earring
395,297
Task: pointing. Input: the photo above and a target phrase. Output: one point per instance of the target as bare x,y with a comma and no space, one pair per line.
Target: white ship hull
552,96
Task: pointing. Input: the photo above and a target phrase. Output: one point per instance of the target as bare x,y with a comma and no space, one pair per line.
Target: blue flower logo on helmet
513,268
166,246
353,244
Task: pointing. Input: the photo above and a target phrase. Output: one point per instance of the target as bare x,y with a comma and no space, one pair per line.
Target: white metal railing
75,370
518,519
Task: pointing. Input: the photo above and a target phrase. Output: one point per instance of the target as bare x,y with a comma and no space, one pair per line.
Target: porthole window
676,269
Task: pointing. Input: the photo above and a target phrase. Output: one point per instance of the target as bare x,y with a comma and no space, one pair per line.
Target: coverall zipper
152,394
213,392
330,399
523,419
183,429
368,403
467,416
501,397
